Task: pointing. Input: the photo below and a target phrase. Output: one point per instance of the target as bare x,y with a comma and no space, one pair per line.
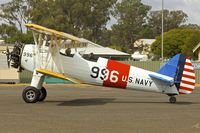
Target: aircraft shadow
102,101
154,102
186,103
85,102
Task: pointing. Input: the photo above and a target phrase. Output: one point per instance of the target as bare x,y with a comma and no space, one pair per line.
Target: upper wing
52,32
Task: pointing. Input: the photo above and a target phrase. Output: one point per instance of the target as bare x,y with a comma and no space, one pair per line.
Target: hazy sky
190,7
4,1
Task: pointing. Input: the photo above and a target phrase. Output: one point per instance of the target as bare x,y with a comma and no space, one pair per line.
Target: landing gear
172,99
43,94
30,94
33,95
35,92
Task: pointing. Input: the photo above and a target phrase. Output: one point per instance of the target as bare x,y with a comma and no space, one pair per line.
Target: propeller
13,58
8,56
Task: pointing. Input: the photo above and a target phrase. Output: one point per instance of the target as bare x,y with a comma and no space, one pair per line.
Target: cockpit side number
27,54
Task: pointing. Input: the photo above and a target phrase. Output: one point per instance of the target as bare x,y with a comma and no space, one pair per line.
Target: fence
3,61
25,76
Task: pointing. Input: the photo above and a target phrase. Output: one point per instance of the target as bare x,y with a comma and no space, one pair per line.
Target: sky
4,1
190,7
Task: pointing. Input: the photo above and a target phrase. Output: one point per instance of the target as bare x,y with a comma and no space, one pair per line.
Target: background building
142,49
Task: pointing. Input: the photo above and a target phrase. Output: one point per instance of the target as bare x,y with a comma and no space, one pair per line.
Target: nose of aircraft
15,55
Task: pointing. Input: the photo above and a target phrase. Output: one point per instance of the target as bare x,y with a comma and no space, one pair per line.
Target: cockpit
69,52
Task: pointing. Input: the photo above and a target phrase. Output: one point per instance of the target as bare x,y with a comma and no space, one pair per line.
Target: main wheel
172,99
43,94
30,94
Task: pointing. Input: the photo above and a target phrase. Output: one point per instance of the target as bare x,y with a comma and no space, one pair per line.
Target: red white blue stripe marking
187,83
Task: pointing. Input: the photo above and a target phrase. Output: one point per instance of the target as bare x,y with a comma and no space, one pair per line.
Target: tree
131,16
15,13
7,30
177,41
191,26
44,12
86,18
11,34
98,14
83,18
172,19
105,38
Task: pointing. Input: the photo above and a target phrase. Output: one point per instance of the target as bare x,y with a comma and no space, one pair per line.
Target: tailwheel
43,94
30,94
172,99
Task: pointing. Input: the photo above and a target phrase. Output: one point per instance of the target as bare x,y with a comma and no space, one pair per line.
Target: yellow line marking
45,85
14,84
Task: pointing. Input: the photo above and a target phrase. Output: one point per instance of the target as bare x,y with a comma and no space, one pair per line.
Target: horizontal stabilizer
163,78
57,75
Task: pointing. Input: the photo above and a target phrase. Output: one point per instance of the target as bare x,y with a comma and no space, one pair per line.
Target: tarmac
92,109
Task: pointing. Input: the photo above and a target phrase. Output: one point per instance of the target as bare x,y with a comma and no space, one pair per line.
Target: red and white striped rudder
187,84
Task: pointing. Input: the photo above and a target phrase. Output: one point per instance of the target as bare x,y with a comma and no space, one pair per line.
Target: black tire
30,94
43,94
172,99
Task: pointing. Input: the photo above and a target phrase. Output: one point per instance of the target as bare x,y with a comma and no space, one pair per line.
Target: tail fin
180,68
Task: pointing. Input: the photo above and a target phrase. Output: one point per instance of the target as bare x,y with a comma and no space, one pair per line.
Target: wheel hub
30,95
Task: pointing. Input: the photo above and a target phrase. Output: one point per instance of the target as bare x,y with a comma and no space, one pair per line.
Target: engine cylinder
16,55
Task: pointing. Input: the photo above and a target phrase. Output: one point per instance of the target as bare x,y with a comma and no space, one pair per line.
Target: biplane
51,56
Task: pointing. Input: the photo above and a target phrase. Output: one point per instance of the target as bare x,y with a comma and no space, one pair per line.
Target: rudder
187,82
180,68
